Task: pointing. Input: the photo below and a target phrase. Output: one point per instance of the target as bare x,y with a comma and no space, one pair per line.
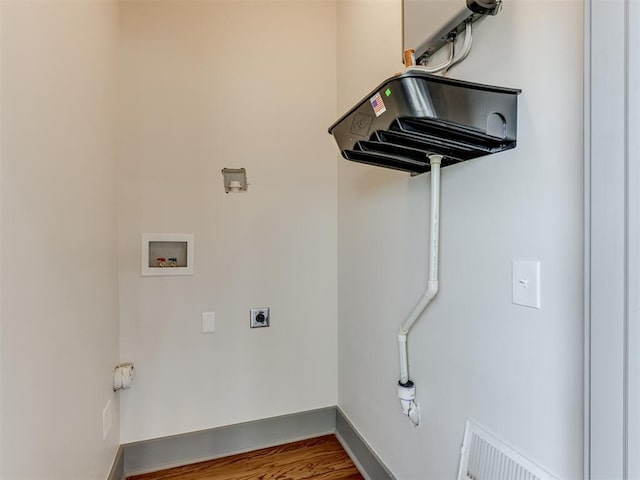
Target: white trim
633,237
587,240
612,239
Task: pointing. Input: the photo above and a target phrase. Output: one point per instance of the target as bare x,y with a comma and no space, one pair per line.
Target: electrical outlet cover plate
107,420
259,317
208,322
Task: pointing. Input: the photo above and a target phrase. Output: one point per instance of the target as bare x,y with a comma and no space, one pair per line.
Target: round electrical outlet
259,317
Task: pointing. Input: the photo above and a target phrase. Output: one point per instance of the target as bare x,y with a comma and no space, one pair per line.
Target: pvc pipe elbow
432,289
406,394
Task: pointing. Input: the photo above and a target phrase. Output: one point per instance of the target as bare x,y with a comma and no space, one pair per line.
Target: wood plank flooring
321,458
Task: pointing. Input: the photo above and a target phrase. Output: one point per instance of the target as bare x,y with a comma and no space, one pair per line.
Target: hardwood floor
321,458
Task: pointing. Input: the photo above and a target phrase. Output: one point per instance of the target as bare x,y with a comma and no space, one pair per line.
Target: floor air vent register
486,457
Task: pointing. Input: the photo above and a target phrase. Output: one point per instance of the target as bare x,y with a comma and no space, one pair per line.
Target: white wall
207,85
58,223
515,370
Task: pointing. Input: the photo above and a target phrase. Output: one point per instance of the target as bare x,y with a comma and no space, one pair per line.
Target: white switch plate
208,322
525,283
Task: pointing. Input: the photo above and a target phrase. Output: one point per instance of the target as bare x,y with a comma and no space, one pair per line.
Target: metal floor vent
486,457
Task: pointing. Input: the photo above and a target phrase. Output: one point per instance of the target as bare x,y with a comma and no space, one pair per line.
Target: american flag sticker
378,104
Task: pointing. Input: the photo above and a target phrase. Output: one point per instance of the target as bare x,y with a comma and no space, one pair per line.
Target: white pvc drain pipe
406,388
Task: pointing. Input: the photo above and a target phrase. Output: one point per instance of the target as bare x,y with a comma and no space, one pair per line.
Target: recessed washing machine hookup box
167,254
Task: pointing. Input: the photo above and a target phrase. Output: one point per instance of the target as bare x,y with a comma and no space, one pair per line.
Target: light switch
208,322
525,283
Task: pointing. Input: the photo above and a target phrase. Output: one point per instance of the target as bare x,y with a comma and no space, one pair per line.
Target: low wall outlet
208,322
260,317
107,420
